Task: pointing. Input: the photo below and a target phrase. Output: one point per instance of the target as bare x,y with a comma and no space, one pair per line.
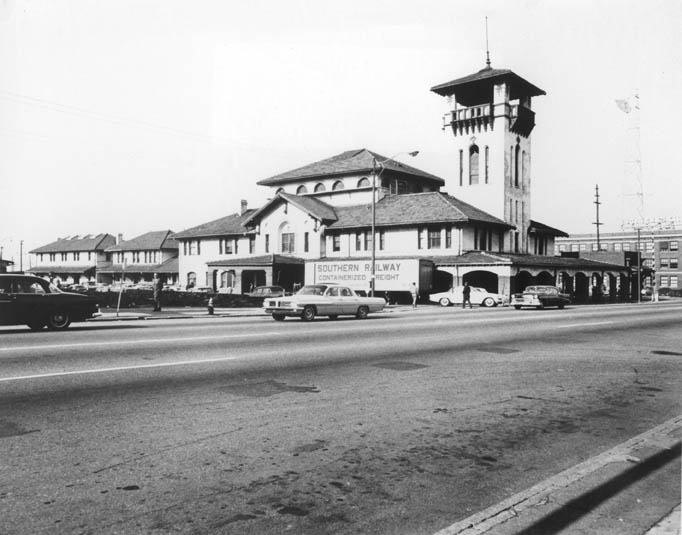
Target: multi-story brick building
659,248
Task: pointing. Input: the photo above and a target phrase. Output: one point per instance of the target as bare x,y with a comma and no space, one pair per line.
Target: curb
535,496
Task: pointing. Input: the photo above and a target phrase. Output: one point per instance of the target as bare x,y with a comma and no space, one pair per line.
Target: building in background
71,260
659,249
136,260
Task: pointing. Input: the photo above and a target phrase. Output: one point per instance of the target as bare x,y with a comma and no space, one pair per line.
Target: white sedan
322,300
479,296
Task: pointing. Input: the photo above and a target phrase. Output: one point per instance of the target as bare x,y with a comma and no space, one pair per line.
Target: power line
98,116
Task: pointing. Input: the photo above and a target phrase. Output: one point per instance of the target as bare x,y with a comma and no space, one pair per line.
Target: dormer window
363,182
319,187
338,185
301,190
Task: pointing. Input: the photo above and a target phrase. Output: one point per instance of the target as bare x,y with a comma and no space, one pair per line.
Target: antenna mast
487,49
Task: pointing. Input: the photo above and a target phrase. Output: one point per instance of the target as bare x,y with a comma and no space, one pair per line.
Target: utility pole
597,223
21,256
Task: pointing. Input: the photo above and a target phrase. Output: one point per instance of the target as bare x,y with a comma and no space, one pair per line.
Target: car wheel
278,317
362,313
488,302
562,305
36,325
444,302
308,313
333,317
540,307
517,307
58,320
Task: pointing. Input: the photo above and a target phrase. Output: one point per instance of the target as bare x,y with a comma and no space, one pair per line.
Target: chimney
119,239
244,205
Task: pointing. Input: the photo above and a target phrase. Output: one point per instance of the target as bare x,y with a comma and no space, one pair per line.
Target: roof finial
487,50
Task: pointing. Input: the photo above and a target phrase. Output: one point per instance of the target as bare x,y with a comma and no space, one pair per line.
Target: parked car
322,300
33,301
540,297
268,291
201,289
479,296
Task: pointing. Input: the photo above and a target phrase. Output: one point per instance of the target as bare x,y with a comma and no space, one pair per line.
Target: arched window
363,182
319,187
279,190
338,185
487,163
473,164
301,190
516,165
191,279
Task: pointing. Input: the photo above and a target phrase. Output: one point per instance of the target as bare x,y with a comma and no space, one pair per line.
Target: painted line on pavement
584,324
141,341
481,522
116,369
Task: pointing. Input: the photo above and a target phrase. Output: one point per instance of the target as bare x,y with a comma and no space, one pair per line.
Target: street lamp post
376,175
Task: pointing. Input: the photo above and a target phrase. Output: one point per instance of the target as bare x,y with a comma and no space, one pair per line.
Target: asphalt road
404,423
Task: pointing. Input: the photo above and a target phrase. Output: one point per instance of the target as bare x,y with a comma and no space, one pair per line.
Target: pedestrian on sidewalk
157,286
466,295
415,294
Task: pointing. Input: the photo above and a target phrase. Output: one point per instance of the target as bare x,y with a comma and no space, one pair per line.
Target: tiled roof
155,240
310,205
263,260
357,161
77,243
37,270
546,229
412,209
524,260
477,82
169,266
225,226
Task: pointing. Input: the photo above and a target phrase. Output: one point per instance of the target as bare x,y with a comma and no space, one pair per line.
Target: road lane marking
116,369
142,341
584,324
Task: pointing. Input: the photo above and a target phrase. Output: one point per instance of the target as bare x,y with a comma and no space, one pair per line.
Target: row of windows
139,257
669,263
621,246
669,281
52,257
320,187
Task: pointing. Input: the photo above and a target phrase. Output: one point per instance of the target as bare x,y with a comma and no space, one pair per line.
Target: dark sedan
540,297
33,301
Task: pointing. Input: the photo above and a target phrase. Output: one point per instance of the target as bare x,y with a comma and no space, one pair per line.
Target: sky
129,116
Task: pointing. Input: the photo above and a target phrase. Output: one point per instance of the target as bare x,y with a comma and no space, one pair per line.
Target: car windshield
314,289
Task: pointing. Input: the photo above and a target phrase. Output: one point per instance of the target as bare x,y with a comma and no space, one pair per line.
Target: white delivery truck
392,274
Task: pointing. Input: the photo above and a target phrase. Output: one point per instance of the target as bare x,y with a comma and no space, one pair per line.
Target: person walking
415,294
466,295
156,288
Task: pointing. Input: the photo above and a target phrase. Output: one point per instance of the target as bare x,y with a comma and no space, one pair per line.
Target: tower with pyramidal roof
491,118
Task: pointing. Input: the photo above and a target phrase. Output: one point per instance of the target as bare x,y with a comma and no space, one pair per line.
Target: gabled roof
77,243
477,88
151,241
413,209
541,228
310,205
525,260
230,225
359,161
